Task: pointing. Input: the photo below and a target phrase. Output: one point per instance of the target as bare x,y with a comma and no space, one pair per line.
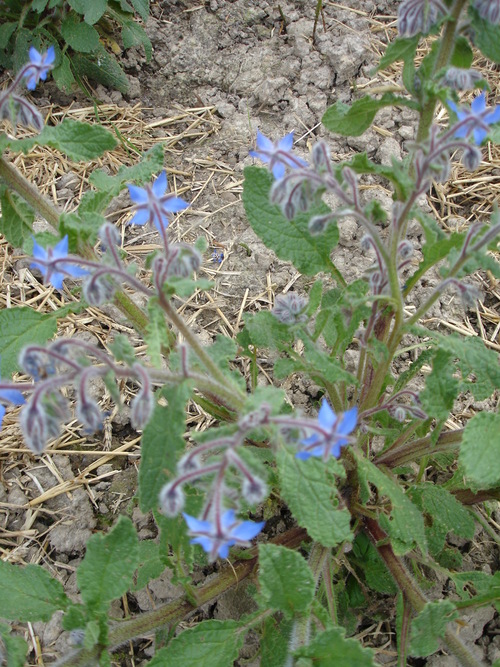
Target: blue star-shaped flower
39,65
217,542
277,154
475,120
335,431
52,272
153,204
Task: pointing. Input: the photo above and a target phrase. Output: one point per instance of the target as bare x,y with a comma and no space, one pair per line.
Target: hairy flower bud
253,491
98,289
489,10
459,78
36,363
141,407
405,249
289,308
419,16
254,419
188,463
171,499
320,155
471,157
89,413
318,223
34,426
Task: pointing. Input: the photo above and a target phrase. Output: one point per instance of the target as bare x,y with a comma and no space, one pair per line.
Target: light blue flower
336,429
55,273
216,542
11,396
39,65
475,120
153,204
277,154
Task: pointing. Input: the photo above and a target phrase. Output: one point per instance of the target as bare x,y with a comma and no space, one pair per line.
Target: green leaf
485,35
157,334
429,626
290,239
478,364
142,8
13,648
134,34
29,593
402,48
81,36
151,163
63,76
352,121
274,641
210,643
285,579
316,506
441,388
462,55
92,11
107,570
22,326
480,450
162,442
332,645
6,31
265,331
16,221
122,349
437,246
405,526
444,514
80,228
151,564
79,141
397,174
102,67
367,559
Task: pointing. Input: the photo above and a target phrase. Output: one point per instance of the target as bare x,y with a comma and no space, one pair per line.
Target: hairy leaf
290,239
480,450
429,626
22,326
29,593
332,643
211,644
286,582
315,506
16,220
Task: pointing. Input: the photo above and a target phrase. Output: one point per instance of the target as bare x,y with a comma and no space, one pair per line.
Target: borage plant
359,479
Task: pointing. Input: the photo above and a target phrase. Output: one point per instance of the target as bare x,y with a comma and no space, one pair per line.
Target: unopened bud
489,10
320,156
255,419
188,463
405,249
171,499
89,413
471,158
289,308
399,414
99,290
141,408
34,426
459,78
318,223
253,491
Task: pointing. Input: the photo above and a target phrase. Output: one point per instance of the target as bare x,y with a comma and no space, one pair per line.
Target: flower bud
253,491
459,78
318,223
254,419
418,16
489,10
399,414
171,499
320,155
289,308
405,249
188,463
141,407
98,290
34,426
471,158
89,413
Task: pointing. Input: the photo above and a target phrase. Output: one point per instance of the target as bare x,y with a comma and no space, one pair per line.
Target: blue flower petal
348,422
478,104
247,530
2,414
141,217
61,249
286,143
174,204
13,396
160,185
326,416
137,195
196,525
263,143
